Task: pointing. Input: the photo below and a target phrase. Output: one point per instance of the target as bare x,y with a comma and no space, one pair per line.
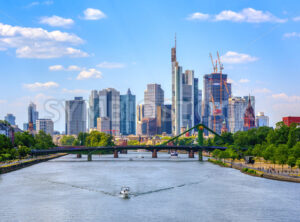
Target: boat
174,154
125,192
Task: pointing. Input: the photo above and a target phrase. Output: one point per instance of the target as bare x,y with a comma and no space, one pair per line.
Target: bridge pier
154,153
116,155
79,155
191,154
200,155
89,157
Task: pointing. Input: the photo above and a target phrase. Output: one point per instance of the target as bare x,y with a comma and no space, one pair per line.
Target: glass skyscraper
127,103
75,116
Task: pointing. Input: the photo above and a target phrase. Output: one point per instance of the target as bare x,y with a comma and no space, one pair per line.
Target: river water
163,189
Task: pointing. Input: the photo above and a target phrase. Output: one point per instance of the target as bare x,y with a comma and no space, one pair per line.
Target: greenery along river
163,189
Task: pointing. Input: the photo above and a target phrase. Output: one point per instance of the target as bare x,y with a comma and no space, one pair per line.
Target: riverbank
16,165
255,172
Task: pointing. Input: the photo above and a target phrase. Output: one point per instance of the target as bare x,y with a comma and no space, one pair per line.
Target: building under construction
216,92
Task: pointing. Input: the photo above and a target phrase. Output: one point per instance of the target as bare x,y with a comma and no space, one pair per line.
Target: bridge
79,150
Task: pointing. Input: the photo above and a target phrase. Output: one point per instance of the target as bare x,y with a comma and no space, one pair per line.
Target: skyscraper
215,105
184,96
94,112
33,115
75,116
236,109
166,118
45,125
139,118
109,103
10,118
127,103
154,100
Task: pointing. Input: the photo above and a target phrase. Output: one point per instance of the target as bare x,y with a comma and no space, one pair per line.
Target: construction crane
226,87
212,62
216,112
221,78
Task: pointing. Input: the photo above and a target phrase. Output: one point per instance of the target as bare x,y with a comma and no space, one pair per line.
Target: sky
52,51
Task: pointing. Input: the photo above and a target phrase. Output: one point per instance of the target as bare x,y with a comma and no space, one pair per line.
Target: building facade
262,120
93,112
10,118
33,115
249,117
236,109
103,125
75,116
45,125
109,103
166,118
288,120
127,103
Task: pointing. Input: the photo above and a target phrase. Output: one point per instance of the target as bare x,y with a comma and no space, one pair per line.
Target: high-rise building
10,118
199,112
261,120
45,125
127,103
184,96
109,102
94,111
249,117
75,116
166,118
139,118
154,100
103,125
216,92
236,109
252,99
33,115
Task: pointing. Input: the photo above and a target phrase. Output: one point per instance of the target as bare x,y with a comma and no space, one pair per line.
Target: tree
298,163
133,143
291,161
24,139
67,140
5,142
43,141
99,139
23,151
82,138
281,154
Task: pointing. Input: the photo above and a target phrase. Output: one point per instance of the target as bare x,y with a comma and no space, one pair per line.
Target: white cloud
57,21
2,101
296,19
235,58
248,15
291,34
75,91
198,16
285,97
230,81
90,73
39,3
111,65
61,68
56,68
263,90
39,43
39,85
93,14
244,80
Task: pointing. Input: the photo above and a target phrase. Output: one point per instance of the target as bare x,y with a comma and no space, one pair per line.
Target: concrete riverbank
255,172
12,166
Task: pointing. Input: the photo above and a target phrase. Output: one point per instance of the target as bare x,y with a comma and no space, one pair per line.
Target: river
163,189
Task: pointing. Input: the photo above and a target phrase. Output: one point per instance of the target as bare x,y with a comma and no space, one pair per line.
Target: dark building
249,117
166,118
149,126
127,112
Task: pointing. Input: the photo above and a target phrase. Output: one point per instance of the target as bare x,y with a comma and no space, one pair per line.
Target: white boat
174,154
125,192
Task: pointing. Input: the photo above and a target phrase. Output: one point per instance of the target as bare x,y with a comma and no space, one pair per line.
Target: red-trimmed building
288,120
249,117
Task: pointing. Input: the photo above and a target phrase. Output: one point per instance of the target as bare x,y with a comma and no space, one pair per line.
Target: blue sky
51,51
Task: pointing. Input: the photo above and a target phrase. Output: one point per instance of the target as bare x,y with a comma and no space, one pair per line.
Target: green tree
99,139
133,143
24,139
291,161
4,142
82,138
23,151
43,141
67,140
298,163
281,154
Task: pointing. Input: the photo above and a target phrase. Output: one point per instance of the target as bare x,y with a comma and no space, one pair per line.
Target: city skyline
258,42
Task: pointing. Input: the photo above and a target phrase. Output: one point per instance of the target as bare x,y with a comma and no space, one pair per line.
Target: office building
139,118
127,112
109,103
262,120
33,115
166,118
216,93
93,112
184,96
103,125
10,118
75,116
288,120
45,125
236,109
